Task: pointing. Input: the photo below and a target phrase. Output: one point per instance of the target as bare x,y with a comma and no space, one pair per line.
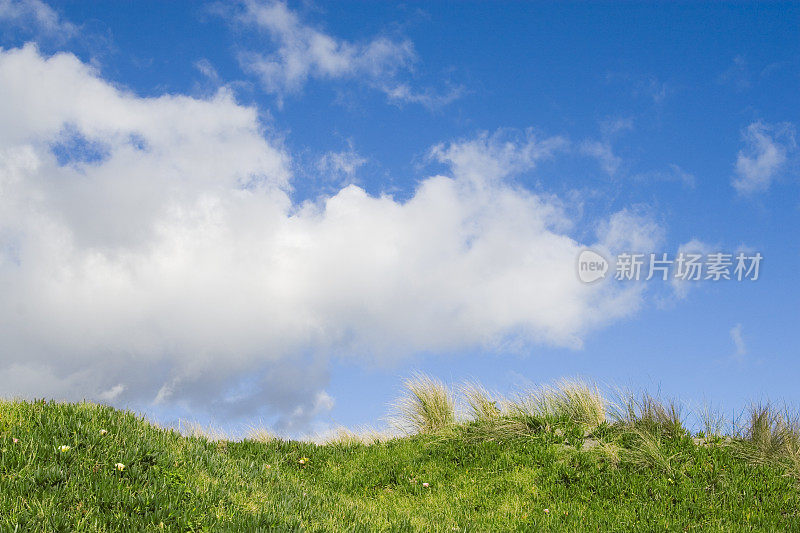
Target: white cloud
653,87
612,126
681,287
149,251
304,415
738,342
602,151
630,230
342,165
497,156
402,93
673,173
205,68
765,154
644,86
112,393
738,74
304,52
35,14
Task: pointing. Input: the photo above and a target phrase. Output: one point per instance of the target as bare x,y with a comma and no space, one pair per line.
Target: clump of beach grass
646,452
426,406
642,409
260,434
572,400
606,452
482,404
343,436
770,436
711,419
190,428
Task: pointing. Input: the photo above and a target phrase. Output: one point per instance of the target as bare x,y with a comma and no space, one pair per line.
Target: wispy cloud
604,154
602,150
631,229
673,173
499,155
738,343
36,15
341,166
644,86
767,147
737,74
403,93
304,52
742,75
615,125
680,286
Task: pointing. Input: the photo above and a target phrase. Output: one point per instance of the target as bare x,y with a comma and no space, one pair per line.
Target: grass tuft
582,403
482,403
197,430
647,451
342,436
260,434
771,436
426,406
568,400
643,409
712,420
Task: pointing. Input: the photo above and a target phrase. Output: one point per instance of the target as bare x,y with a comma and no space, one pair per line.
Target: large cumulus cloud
150,252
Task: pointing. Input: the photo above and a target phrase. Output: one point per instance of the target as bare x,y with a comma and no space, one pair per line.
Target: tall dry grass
647,452
482,404
568,399
711,419
770,435
258,433
642,409
426,406
209,432
343,436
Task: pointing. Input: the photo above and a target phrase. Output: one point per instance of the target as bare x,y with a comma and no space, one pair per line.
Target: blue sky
258,212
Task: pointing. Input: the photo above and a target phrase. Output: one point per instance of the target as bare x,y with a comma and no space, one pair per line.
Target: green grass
563,469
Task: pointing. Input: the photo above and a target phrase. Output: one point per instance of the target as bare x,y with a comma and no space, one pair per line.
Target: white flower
547,511
120,466
103,432
426,485
63,448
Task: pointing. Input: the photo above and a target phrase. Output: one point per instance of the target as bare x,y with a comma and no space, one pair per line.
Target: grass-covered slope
497,472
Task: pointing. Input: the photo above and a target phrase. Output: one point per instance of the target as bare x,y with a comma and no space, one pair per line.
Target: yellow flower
303,460
120,466
103,432
64,448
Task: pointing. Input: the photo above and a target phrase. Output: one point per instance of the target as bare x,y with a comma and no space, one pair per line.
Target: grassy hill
557,459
